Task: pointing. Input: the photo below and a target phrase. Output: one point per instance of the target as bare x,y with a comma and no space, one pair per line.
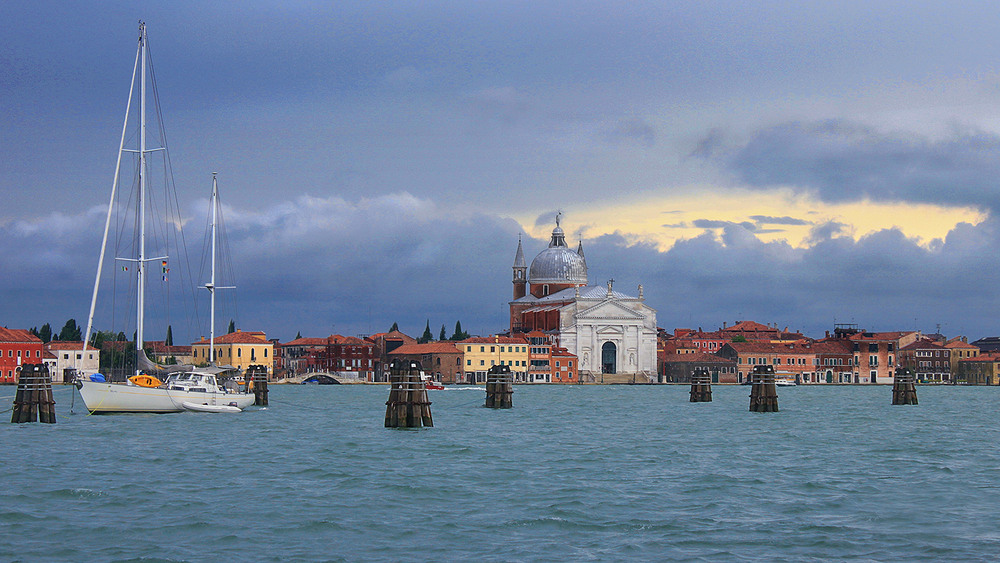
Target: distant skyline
796,163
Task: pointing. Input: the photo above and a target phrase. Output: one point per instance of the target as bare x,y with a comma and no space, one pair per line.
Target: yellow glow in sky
664,220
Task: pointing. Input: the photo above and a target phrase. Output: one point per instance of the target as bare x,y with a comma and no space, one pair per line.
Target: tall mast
211,284
141,263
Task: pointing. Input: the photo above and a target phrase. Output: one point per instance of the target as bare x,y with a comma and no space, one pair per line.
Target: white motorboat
784,382
205,407
184,384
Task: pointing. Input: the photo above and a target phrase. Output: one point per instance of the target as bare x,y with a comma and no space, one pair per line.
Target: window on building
468,362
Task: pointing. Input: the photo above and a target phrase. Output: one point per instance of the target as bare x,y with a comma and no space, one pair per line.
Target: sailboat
185,385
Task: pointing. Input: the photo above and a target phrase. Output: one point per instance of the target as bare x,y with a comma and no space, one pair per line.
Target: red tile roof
238,337
429,348
18,335
64,345
306,341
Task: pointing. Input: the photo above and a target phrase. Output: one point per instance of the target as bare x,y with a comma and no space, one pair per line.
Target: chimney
828,334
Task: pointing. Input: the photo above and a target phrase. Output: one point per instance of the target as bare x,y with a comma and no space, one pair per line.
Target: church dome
557,264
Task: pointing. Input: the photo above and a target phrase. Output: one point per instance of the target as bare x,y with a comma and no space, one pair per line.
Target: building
612,334
442,361
350,357
302,355
804,361
982,369
237,349
988,344
481,353
960,350
68,360
875,353
163,354
386,342
677,368
17,347
928,359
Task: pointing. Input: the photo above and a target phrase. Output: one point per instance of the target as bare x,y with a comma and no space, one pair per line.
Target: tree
298,335
426,336
45,333
394,327
70,331
459,333
739,338
443,335
170,336
232,326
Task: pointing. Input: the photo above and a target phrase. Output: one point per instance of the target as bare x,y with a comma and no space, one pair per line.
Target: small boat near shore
785,382
205,407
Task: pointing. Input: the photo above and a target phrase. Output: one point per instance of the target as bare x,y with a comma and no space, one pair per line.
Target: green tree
298,335
443,335
427,336
459,333
232,326
394,327
170,336
739,338
45,333
70,331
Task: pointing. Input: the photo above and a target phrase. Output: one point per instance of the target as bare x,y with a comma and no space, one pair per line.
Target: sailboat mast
211,284
141,263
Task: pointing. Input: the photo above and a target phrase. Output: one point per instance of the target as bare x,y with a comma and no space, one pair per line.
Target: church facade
613,334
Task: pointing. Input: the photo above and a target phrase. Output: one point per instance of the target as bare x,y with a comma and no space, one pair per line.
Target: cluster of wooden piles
408,406
701,386
256,381
763,394
33,400
499,388
904,389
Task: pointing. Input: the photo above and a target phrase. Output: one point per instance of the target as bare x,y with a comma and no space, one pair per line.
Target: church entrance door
609,355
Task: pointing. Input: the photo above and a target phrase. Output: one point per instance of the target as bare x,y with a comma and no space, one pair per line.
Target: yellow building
238,349
481,353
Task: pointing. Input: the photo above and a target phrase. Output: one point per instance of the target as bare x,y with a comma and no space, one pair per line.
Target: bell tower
520,272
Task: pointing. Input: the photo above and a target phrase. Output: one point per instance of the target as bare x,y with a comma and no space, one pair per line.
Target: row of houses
849,355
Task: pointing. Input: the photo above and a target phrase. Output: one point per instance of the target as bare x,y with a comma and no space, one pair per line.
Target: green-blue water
571,473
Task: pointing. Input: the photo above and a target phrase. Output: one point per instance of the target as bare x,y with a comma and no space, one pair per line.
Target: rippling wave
571,473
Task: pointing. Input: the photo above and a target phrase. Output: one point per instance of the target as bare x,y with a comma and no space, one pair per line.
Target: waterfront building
302,355
238,349
442,361
753,331
164,354
17,347
960,350
928,359
875,353
481,353
68,360
384,343
612,334
677,368
982,369
350,357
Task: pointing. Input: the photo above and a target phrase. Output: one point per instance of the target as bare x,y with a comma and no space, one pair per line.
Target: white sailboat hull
118,397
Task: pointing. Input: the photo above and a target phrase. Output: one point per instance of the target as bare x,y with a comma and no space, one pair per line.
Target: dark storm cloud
841,160
884,281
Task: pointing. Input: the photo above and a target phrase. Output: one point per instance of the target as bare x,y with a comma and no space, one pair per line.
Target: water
571,473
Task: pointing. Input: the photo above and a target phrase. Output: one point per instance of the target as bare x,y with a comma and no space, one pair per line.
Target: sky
801,164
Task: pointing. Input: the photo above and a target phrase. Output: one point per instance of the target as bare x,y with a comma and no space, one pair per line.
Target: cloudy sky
796,163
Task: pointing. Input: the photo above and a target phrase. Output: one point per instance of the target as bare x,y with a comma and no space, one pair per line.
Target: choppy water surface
571,473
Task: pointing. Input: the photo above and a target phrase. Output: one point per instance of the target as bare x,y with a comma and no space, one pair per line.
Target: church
612,334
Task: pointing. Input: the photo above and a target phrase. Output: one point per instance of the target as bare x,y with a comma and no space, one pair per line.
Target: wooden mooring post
256,378
904,388
33,400
499,388
763,394
701,386
408,406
